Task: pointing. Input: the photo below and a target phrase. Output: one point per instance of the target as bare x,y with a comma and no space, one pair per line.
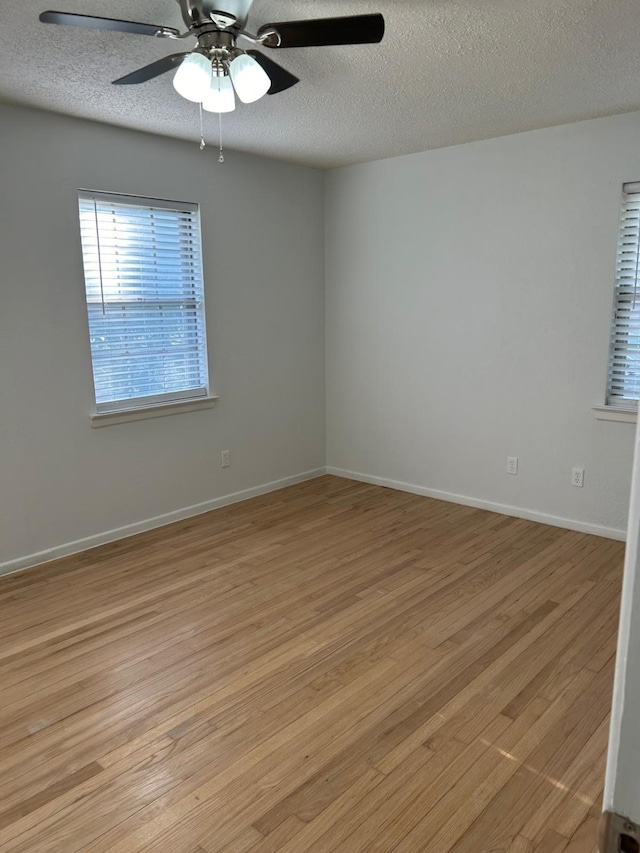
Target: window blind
145,301
623,380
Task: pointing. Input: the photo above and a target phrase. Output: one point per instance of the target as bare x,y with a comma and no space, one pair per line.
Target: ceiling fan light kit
209,74
211,82
250,80
220,97
193,78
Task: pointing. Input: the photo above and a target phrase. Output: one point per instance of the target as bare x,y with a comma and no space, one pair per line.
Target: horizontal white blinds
623,381
143,277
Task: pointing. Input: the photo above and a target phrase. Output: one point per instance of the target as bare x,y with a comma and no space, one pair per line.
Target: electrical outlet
224,459
512,464
577,477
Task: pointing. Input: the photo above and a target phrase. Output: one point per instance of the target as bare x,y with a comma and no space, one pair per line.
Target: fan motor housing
217,44
223,13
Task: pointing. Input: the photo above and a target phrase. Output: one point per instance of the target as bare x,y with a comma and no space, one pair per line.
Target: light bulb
219,97
250,80
193,78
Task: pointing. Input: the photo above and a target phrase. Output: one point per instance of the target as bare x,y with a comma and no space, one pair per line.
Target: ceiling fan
217,70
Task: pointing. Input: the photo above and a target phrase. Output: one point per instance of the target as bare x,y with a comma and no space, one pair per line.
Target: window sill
161,410
610,413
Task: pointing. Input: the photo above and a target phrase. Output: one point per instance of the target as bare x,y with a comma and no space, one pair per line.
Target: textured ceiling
447,72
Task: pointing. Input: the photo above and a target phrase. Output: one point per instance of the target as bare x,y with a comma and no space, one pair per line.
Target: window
623,377
145,300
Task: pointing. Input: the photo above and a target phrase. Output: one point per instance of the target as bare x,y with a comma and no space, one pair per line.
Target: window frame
151,405
617,405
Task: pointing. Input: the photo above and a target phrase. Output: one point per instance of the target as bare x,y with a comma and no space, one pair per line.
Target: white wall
468,301
436,369
262,223
622,787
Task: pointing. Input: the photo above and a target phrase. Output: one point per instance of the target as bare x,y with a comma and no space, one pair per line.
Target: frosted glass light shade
219,97
193,78
250,80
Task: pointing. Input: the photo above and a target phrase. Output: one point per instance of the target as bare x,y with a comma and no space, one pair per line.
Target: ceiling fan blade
148,72
95,23
281,79
356,29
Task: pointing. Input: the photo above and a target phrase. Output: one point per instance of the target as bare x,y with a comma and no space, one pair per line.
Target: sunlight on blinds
145,301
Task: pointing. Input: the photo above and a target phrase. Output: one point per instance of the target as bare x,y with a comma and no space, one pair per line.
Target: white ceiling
447,72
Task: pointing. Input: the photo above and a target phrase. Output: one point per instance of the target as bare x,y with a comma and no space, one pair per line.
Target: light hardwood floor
332,667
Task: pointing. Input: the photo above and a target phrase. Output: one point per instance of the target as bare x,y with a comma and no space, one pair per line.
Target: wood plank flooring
332,667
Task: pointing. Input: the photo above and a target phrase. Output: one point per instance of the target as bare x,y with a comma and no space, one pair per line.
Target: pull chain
202,142
221,157
202,139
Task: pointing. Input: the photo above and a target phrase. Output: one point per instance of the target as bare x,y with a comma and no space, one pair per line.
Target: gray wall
468,296
262,221
468,300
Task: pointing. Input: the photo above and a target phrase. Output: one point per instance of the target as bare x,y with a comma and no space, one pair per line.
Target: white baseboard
198,509
149,524
504,509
